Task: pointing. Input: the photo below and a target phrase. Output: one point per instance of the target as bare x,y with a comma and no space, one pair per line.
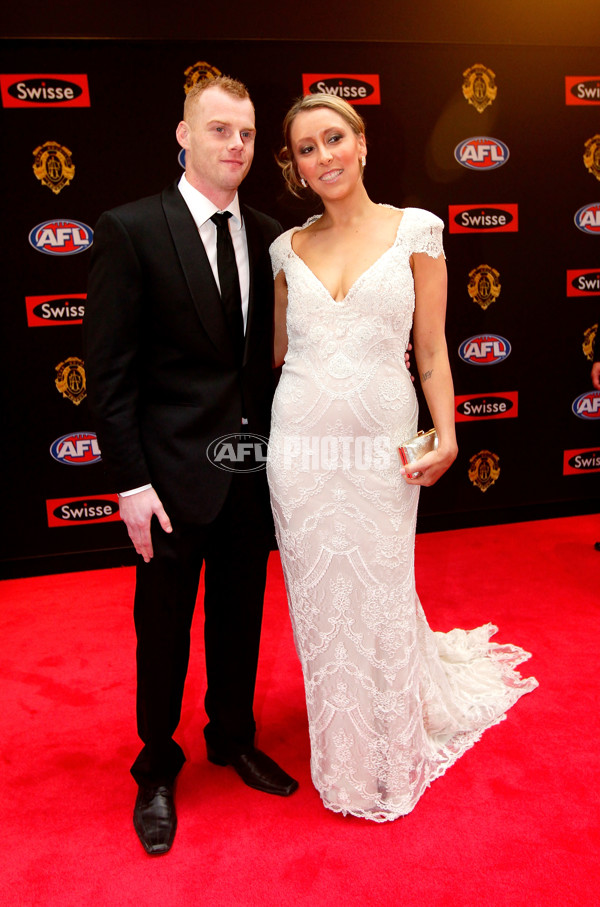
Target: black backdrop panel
123,146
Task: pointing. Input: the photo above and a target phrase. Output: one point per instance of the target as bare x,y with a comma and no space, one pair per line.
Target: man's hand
596,375
136,512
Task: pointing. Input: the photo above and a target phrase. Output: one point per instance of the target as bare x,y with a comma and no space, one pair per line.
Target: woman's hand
407,361
428,469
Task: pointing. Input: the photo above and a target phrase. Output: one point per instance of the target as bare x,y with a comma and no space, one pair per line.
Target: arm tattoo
426,375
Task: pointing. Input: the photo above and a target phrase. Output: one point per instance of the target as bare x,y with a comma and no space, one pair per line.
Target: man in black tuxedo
178,354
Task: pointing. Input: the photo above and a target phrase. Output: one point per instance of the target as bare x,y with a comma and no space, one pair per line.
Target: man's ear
182,132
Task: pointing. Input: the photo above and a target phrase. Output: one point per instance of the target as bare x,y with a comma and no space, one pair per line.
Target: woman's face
327,151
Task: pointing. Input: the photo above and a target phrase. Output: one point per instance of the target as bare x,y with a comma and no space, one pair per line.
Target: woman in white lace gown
391,704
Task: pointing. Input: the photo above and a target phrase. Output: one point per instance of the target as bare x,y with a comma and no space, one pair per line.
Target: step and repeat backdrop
502,143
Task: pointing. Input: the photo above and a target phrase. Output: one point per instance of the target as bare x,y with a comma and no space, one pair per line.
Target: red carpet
514,822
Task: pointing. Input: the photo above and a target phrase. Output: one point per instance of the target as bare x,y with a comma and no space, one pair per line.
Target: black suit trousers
234,550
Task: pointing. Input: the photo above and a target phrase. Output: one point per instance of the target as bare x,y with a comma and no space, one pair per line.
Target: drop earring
363,161
303,182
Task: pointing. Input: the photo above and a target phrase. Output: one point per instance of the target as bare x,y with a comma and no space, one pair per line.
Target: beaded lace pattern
391,704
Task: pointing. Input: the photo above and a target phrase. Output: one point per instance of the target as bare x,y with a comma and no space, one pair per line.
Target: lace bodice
382,299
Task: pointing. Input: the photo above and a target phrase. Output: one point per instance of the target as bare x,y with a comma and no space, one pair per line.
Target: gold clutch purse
417,447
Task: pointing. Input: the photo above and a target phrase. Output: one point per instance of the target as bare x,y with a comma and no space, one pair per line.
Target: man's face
218,138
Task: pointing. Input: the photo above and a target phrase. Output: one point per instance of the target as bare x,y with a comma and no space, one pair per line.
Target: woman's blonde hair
285,158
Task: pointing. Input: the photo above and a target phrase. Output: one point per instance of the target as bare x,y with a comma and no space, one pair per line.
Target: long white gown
391,704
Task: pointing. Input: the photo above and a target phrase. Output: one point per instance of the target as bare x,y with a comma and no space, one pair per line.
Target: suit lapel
197,270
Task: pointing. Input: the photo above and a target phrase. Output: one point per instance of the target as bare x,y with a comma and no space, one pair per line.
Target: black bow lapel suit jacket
163,381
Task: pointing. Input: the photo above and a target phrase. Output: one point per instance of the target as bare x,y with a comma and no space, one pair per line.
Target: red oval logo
79,448
484,349
61,237
481,153
45,90
483,218
587,219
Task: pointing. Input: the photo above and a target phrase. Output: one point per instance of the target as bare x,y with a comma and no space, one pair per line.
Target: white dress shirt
202,210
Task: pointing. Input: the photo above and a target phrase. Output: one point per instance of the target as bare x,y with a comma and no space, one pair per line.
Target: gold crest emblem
70,379
53,166
479,86
591,155
484,469
197,72
589,339
484,285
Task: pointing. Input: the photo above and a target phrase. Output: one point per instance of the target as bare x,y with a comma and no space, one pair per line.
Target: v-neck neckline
360,276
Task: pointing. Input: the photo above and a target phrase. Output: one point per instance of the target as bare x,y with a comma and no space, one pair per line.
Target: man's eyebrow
217,122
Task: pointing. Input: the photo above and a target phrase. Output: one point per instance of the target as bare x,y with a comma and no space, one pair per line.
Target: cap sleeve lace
424,232
279,251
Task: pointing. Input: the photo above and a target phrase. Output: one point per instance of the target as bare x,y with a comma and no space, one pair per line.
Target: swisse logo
242,452
489,406
46,311
41,90
582,90
587,219
579,461
356,89
61,237
481,153
483,218
587,406
583,283
103,508
79,448
484,349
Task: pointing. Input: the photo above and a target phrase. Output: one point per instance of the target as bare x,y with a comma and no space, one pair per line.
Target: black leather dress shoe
257,770
154,818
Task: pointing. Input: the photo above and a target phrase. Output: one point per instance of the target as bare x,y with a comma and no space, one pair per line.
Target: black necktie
229,281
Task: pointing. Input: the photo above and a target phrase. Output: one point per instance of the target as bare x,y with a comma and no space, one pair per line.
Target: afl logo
484,349
239,453
61,237
45,90
587,406
587,219
481,153
356,89
79,448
